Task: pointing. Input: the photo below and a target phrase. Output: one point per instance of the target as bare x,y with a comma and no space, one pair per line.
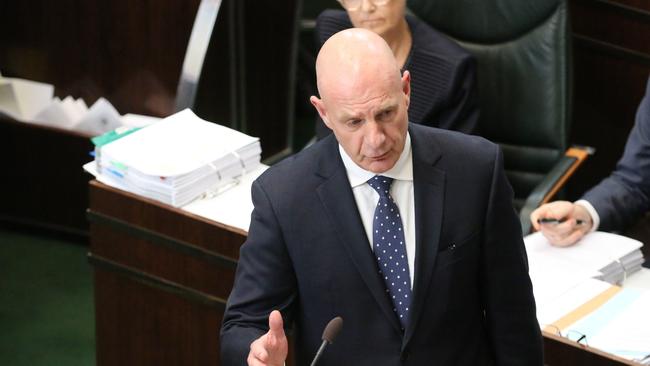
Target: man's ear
320,108
406,86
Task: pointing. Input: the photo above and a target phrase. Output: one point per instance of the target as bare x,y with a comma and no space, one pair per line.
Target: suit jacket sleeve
264,281
625,195
506,287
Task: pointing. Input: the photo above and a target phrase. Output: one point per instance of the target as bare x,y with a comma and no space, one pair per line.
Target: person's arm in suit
264,281
616,201
506,288
625,195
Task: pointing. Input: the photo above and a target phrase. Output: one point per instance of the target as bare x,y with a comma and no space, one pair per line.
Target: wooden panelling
160,287
611,50
643,5
607,21
139,324
129,52
43,184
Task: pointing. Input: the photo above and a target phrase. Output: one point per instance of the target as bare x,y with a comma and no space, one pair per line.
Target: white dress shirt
595,218
401,190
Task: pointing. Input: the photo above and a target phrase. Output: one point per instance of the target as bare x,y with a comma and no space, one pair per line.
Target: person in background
443,75
405,231
615,202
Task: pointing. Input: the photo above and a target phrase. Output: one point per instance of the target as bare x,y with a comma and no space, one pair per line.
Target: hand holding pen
550,220
563,223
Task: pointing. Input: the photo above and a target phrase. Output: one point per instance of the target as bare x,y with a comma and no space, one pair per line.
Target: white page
138,120
595,251
552,277
639,280
71,110
8,101
232,207
550,312
81,106
53,115
24,98
102,117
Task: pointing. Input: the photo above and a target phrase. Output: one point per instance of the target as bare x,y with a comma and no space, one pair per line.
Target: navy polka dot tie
390,248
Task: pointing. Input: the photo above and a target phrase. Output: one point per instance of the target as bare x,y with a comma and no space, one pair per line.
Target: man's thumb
276,324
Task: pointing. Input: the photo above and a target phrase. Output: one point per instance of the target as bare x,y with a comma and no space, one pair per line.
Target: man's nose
375,136
367,5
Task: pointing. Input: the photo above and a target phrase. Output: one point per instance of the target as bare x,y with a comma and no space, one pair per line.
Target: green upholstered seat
523,52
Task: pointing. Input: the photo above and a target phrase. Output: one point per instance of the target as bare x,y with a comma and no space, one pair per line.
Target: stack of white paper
74,115
613,257
30,101
573,298
177,159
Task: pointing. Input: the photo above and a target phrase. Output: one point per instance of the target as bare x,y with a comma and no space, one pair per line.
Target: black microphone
332,329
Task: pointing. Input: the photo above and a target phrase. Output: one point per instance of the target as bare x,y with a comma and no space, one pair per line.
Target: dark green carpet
46,301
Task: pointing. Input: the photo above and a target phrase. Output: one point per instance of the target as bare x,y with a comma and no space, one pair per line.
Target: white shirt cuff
595,219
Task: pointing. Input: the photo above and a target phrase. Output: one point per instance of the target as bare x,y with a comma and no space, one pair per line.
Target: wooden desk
162,276
43,184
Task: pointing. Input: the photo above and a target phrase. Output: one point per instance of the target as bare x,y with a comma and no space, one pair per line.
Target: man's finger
535,215
276,325
551,232
258,352
570,239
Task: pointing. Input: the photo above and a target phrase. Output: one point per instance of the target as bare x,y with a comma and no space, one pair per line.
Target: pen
550,220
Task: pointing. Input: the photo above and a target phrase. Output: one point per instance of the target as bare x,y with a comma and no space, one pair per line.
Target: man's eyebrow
345,116
387,107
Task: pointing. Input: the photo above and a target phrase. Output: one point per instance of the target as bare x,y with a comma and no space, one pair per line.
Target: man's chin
379,166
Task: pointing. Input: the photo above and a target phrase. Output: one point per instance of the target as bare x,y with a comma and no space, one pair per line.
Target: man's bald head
364,98
353,58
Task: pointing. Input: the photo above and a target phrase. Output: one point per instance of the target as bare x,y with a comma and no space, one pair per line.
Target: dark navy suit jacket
624,196
308,256
443,75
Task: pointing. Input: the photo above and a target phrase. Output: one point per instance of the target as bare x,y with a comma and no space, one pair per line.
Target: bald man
407,232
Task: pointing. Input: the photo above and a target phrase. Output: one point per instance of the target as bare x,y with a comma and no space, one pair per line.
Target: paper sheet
232,207
595,251
621,326
553,309
22,99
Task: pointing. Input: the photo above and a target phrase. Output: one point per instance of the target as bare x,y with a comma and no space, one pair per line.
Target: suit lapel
429,192
338,201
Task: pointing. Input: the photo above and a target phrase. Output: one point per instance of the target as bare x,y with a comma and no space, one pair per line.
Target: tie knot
381,184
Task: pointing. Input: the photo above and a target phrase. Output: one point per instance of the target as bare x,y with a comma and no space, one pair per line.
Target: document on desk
22,99
232,207
621,326
102,117
551,311
614,256
177,159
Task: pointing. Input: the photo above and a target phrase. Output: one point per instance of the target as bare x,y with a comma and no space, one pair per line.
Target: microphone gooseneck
332,329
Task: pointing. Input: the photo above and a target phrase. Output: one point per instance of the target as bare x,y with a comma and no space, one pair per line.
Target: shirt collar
402,170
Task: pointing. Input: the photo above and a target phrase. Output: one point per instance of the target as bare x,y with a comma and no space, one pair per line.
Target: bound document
609,256
176,159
